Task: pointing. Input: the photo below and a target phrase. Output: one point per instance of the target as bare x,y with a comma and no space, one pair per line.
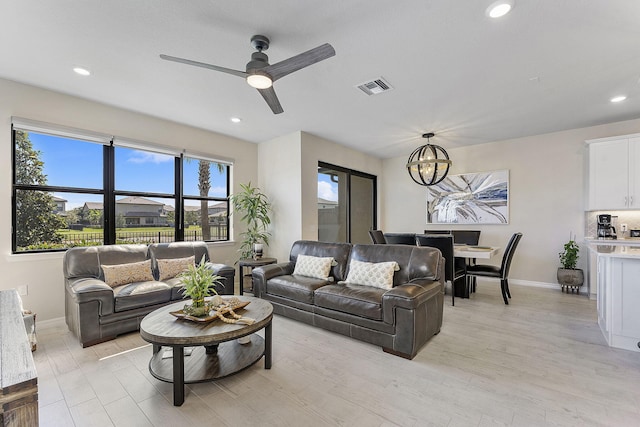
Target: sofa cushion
363,301
377,274
121,274
170,268
297,288
313,266
140,294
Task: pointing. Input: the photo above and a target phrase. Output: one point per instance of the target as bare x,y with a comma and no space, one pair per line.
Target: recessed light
499,8
236,119
82,71
619,98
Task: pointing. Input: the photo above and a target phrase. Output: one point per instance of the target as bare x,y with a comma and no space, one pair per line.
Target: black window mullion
178,217
109,211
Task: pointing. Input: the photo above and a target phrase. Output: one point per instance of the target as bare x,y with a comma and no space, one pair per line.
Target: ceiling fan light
259,81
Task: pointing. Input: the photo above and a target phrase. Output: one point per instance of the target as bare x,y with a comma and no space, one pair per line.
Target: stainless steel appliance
605,229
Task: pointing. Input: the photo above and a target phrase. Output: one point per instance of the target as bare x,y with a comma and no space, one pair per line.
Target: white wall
546,195
289,176
43,272
279,178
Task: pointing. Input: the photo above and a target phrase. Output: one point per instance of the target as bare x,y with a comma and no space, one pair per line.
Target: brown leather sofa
401,319
96,312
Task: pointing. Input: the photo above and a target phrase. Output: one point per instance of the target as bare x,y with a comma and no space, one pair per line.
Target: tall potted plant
569,276
255,208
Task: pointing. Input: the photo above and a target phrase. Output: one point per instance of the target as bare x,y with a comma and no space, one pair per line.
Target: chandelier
428,164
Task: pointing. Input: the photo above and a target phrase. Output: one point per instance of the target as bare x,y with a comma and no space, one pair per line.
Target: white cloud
146,157
327,191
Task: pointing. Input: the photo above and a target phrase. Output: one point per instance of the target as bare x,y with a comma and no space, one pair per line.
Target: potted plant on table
198,282
569,276
255,208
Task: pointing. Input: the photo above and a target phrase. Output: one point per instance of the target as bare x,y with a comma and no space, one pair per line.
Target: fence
218,232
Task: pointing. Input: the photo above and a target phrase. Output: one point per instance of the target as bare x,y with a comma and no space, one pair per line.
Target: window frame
108,191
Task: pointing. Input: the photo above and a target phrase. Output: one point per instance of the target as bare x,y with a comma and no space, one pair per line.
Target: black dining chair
444,242
437,232
377,237
467,237
400,238
502,272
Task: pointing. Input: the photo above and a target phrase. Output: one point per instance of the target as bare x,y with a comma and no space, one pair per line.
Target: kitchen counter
614,266
600,248
629,241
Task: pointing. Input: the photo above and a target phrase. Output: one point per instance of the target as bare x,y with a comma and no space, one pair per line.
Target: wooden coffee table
217,352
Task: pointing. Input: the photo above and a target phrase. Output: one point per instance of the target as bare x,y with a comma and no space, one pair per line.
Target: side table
251,263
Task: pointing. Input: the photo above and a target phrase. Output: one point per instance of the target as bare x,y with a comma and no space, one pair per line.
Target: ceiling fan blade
203,65
270,96
300,61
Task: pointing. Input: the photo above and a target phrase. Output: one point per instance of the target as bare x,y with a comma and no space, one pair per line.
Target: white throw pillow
123,274
313,266
378,274
170,268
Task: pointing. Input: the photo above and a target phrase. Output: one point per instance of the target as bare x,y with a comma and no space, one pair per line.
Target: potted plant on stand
569,276
255,208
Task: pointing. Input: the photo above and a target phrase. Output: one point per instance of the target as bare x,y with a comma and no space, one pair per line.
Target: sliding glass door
346,204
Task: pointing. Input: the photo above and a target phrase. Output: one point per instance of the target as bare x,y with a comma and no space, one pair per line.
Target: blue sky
72,163
327,189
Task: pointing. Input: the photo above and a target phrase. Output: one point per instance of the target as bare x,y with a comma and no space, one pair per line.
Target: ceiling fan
260,75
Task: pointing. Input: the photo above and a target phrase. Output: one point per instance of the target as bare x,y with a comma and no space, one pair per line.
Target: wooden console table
18,378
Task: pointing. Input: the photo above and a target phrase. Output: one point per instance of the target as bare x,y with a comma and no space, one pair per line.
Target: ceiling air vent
375,87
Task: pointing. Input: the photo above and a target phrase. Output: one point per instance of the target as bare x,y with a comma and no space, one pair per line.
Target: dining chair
467,237
400,238
437,231
377,237
444,242
502,272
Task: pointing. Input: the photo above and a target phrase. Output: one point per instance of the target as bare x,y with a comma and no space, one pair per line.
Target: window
75,188
205,187
346,204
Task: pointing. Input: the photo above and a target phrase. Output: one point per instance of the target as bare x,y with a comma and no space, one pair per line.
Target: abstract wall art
471,198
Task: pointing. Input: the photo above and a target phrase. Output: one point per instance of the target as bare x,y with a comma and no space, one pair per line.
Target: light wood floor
539,361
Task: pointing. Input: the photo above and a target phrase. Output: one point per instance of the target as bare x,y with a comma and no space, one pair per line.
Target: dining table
469,253
478,252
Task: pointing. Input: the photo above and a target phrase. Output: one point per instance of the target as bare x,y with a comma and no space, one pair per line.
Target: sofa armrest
227,273
262,274
83,290
410,296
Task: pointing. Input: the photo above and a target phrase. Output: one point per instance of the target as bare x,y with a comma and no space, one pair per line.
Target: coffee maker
605,229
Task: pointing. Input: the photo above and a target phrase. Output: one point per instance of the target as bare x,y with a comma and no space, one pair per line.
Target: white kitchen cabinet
625,297
618,296
614,173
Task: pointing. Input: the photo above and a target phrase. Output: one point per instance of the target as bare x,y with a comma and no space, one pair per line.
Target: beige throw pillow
122,274
378,274
313,266
170,268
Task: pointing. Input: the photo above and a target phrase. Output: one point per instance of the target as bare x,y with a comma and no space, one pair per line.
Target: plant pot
257,250
570,278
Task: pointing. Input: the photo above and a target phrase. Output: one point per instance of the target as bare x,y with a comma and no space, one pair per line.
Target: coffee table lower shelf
200,367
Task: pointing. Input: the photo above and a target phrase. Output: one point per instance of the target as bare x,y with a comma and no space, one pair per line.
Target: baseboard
534,284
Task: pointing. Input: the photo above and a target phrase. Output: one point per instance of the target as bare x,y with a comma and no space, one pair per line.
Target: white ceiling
549,65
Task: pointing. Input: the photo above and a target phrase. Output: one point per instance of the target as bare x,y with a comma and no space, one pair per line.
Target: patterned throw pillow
313,266
378,274
122,274
170,268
